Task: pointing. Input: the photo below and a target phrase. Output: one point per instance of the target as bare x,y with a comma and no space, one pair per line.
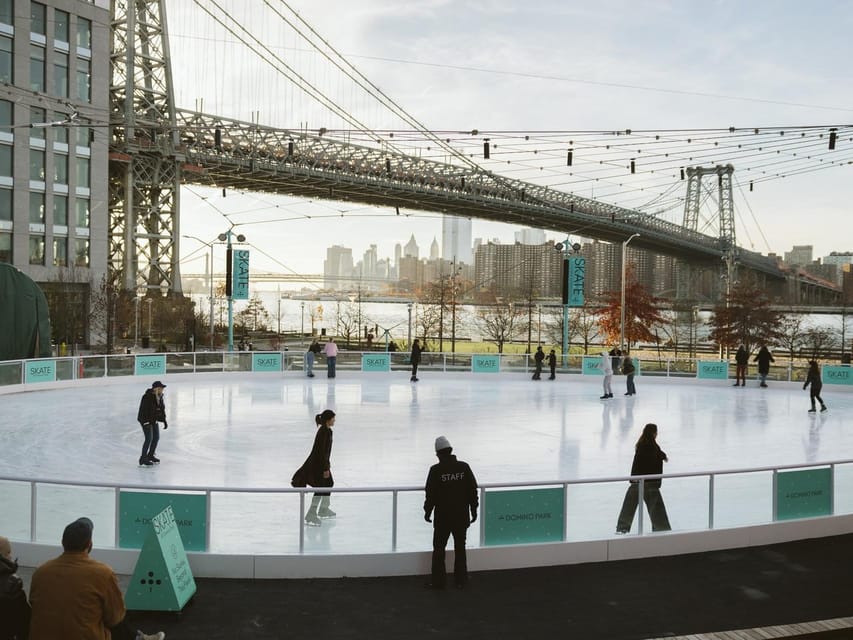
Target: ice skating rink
254,430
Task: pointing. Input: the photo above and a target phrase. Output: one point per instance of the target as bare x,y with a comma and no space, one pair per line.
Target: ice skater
331,351
552,364
607,370
538,359
415,359
629,369
741,363
813,379
152,409
763,358
310,355
316,471
648,460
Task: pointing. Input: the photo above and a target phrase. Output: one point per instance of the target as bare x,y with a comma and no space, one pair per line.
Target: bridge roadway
252,157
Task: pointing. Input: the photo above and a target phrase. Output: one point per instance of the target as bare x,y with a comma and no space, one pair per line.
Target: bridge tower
697,191
144,168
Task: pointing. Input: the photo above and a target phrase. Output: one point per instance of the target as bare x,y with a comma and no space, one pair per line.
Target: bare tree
819,343
792,333
500,322
583,325
347,321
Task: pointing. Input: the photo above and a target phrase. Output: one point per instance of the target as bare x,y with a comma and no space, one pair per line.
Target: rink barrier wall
304,564
47,370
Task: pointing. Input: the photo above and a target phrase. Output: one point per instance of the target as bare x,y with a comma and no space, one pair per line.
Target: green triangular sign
162,580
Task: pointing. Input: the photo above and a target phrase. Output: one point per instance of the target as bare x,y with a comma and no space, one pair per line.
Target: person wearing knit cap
14,608
75,596
451,493
152,409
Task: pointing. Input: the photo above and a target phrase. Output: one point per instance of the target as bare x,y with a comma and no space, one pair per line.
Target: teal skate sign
376,362
712,369
803,494
137,510
40,371
524,516
266,362
835,374
485,364
592,366
150,365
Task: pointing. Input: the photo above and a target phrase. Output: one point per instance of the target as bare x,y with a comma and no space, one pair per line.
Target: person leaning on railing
14,608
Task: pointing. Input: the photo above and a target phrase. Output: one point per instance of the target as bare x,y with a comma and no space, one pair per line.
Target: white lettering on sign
163,521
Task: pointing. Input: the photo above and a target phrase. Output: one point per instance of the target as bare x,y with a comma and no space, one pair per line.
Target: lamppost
539,326
208,267
453,307
302,330
409,308
136,322
148,301
565,248
622,307
226,238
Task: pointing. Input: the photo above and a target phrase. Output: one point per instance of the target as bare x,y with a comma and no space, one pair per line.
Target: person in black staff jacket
763,358
813,379
552,363
316,471
451,490
648,460
538,358
14,608
415,359
152,409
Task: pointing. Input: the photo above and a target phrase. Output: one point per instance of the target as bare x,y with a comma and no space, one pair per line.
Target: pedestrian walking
331,351
813,380
741,364
538,359
648,460
415,359
629,370
763,358
316,471
451,491
152,409
607,370
552,363
310,355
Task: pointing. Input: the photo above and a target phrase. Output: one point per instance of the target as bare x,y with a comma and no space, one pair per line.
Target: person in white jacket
607,370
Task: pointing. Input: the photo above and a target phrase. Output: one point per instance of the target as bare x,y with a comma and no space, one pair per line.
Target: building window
37,165
84,33
36,207
84,73
60,251
60,210
81,252
6,247
83,172
37,68
82,212
37,250
37,116
61,26
84,135
6,204
60,134
5,115
6,160
60,74
38,17
7,12
5,59
60,168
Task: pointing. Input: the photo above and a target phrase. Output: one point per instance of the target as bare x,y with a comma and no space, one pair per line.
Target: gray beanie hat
442,443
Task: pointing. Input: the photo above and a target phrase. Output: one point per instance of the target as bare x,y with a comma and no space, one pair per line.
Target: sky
521,66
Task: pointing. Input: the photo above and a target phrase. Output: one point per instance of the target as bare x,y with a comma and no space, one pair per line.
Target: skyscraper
337,267
456,239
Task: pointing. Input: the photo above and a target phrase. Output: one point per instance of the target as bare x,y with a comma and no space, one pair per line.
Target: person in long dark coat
317,469
552,364
415,359
813,379
14,607
763,358
648,460
538,359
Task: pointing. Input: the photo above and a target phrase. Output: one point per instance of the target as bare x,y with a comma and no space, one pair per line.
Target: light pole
564,247
539,326
226,237
148,302
409,308
302,330
136,323
208,267
622,306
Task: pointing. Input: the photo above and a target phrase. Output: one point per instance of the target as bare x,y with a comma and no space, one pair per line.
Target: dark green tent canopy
24,317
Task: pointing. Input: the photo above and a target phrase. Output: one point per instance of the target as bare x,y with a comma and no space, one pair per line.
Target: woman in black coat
648,460
316,471
415,359
763,358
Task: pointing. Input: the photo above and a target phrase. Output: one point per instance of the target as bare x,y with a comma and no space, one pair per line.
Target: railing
12,372
260,521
